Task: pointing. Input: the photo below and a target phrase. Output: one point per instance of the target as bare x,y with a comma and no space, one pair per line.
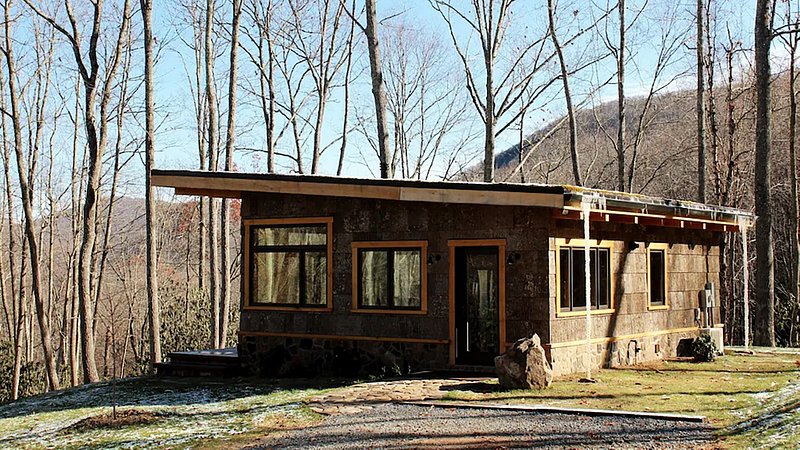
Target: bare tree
17,307
496,93
791,41
764,314
621,118
700,104
378,89
213,213
24,180
263,58
230,137
573,127
96,137
153,307
424,101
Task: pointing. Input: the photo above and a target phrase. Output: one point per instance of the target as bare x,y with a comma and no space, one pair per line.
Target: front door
477,312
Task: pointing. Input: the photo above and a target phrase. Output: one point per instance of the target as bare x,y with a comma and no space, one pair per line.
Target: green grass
740,395
190,413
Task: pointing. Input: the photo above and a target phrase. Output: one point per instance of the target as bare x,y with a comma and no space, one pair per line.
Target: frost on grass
188,411
777,425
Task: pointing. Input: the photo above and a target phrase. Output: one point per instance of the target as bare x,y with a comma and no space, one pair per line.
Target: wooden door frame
501,269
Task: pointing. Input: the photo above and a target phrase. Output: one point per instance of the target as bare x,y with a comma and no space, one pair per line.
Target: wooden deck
223,362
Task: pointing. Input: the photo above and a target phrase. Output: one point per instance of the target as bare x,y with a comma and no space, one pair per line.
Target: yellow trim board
624,337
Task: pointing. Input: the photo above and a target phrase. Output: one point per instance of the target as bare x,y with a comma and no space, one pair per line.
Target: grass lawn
175,414
751,400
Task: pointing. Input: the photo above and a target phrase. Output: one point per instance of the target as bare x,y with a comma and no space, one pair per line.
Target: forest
101,273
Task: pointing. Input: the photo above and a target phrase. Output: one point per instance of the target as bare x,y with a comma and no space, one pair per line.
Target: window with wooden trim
572,278
289,264
657,276
389,276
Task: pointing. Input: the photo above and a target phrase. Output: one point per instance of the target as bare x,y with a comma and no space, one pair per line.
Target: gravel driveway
410,426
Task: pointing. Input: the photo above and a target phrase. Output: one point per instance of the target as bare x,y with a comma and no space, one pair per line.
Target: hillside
663,140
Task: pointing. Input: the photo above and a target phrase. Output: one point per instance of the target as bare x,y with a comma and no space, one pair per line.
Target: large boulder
524,366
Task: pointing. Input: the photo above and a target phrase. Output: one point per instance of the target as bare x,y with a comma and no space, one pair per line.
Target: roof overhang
234,185
567,202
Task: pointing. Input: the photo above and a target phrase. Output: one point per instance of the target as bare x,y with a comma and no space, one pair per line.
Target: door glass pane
316,278
374,284
482,303
276,278
308,235
407,278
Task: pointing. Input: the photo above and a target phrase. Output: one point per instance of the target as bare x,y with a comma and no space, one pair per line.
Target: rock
524,366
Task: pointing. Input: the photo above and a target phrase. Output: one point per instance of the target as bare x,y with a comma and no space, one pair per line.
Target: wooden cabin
345,275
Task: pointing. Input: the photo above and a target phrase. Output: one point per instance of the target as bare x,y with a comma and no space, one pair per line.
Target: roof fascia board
233,187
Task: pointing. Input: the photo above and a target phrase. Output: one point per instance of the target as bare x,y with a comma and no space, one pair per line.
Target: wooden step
216,362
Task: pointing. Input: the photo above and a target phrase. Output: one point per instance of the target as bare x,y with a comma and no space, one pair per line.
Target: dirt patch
123,418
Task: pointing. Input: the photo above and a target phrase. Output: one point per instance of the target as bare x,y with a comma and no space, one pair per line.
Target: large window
657,276
288,263
572,278
389,276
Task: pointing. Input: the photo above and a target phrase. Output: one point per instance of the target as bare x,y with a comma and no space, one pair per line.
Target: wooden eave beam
646,219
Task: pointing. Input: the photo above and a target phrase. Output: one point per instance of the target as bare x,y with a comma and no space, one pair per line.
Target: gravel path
409,426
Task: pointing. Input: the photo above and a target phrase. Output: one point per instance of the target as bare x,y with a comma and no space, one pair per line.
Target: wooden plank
234,187
217,193
338,337
641,218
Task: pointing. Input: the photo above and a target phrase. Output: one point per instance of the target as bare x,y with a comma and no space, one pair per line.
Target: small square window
390,278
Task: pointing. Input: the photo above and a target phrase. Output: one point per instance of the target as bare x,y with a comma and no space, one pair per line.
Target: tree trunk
378,90
153,306
795,234
27,207
12,246
700,106
213,219
346,104
573,128
230,137
621,117
764,314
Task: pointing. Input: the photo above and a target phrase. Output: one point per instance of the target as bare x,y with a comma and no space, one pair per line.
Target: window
288,263
657,276
572,279
389,276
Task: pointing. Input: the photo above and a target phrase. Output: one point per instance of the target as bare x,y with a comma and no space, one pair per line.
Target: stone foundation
277,356
624,352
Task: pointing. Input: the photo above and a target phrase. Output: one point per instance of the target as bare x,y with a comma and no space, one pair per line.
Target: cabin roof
566,200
